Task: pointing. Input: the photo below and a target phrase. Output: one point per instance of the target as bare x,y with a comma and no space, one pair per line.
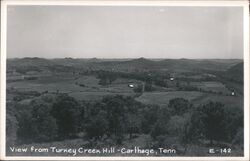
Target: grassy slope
162,98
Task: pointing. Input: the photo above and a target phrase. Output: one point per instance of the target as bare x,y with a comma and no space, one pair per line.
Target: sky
125,32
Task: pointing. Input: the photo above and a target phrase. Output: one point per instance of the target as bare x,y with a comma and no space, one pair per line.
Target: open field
211,86
228,101
95,95
81,87
162,98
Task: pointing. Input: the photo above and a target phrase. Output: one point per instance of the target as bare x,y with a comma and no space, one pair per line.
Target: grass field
211,86
71,85
197,98
228,101
95,95
62,86
162,98
93,91
89,81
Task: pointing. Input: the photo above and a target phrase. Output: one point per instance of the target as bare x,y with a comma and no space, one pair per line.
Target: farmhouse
131,86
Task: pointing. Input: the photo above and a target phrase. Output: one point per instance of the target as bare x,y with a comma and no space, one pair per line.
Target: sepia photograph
146,80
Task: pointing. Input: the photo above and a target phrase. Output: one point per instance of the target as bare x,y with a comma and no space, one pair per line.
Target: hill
140,64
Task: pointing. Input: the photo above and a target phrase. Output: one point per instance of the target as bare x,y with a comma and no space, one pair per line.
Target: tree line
118,117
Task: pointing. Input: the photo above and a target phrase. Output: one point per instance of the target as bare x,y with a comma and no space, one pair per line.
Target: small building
131,85
172,78
233,93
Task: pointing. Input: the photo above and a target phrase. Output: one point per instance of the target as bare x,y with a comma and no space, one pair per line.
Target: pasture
95,95
163,98
81,87
228,101
211,86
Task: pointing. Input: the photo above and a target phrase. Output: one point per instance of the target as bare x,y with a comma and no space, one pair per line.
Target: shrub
161,126
97,126
179,106
66,110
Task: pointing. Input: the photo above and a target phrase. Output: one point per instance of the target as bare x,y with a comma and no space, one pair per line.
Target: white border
241,3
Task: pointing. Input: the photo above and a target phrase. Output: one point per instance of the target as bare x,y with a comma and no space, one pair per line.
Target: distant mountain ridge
132,64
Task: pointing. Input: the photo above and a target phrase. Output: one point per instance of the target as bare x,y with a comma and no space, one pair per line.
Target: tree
149,87
43,125
160,82
176,125
66,110
239,137
121,117
161,126
97,126
214,120
116,115
25,132
103,81
36,123
158,130
149,117
106,77
133,124
193,128
234,121
11,128
179,106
